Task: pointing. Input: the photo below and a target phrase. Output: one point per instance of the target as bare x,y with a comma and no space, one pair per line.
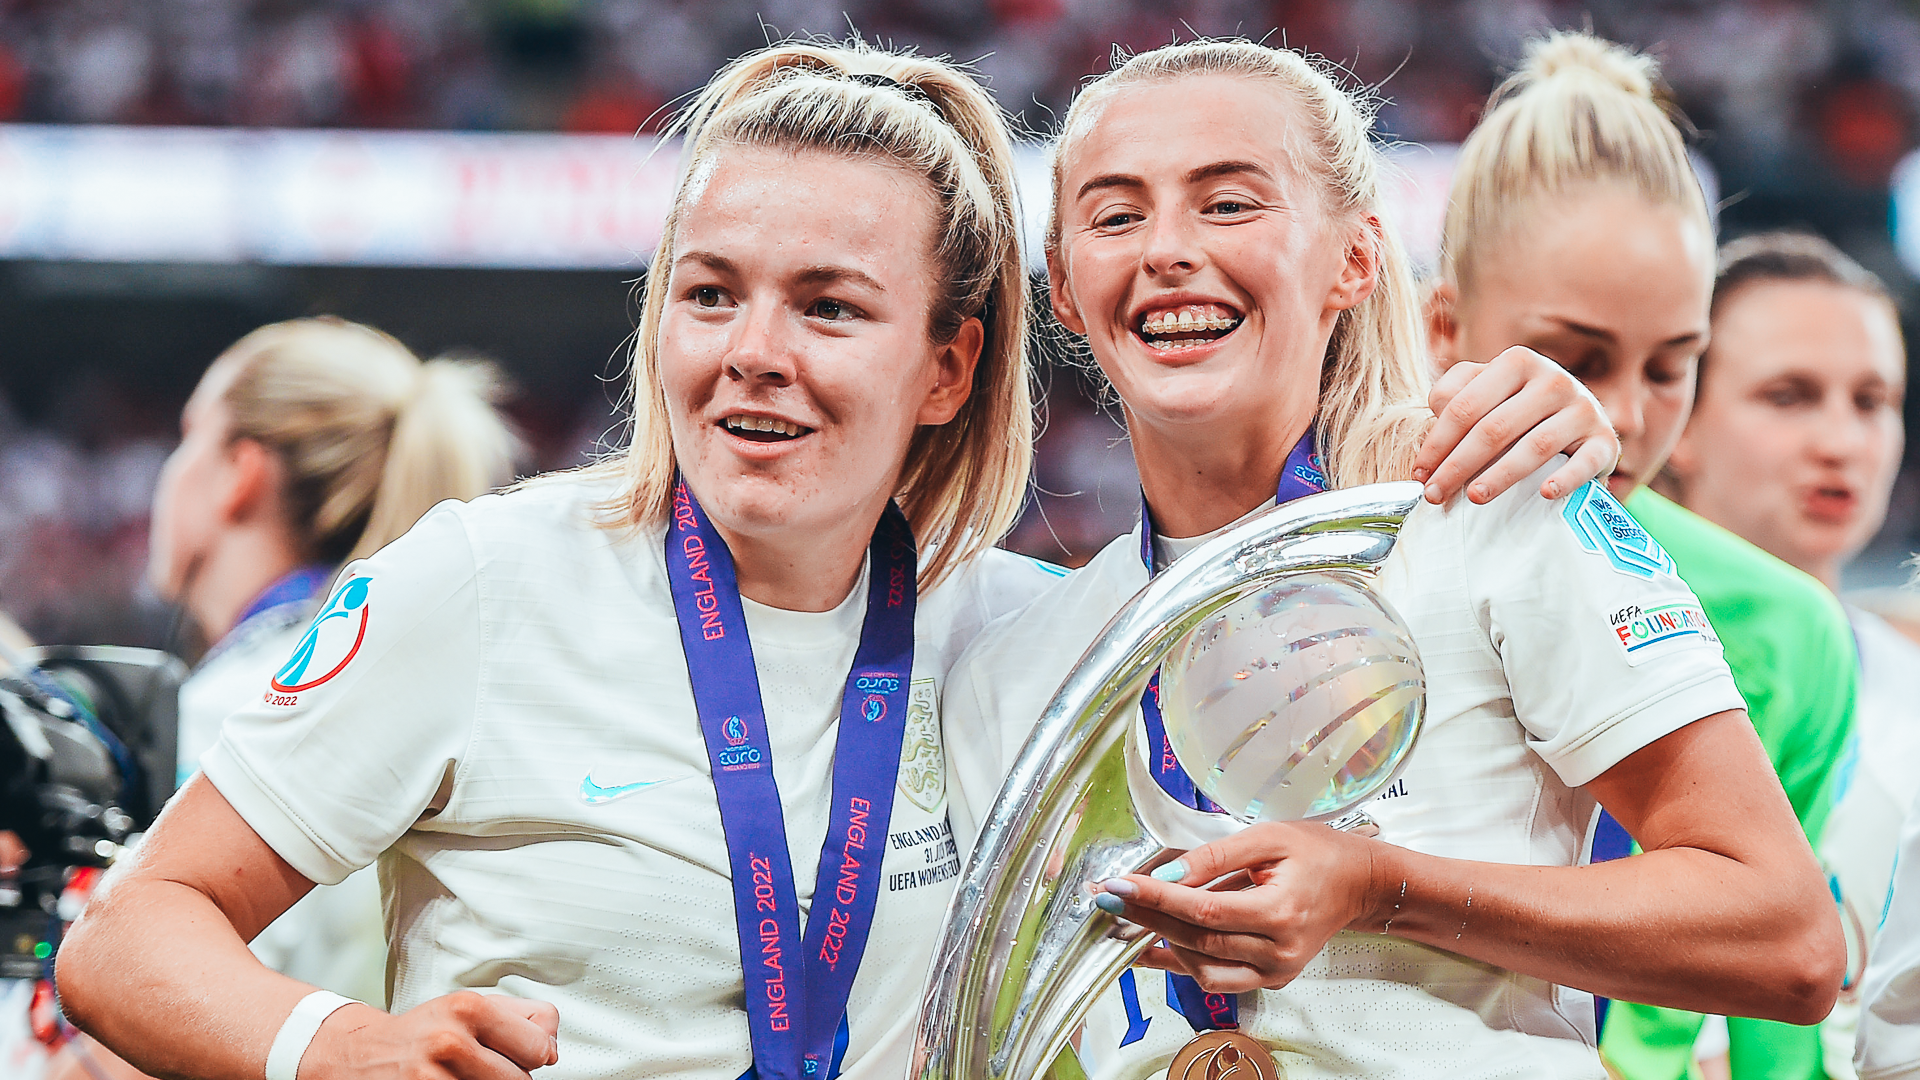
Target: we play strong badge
1641,632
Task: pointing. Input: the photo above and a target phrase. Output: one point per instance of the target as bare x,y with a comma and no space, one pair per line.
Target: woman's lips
1831,505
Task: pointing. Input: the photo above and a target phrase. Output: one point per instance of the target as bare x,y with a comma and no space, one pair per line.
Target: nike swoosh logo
593,794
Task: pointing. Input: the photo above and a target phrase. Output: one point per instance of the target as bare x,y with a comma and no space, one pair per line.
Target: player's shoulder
579,503
548,521
1003,579
981,588
1068,609
1521,531
555,537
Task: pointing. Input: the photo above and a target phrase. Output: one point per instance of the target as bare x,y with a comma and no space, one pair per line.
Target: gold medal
1224,1055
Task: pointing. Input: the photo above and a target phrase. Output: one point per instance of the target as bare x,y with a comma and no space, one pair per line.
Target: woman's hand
465,1036
1251,910
1726,911
1498,422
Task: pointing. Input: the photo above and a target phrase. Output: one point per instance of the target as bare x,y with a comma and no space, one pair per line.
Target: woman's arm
159,971
1496,423
1727,911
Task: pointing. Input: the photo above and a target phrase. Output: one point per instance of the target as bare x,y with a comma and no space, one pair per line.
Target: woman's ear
1060,296
252,488
1360,275
954,364
1443,329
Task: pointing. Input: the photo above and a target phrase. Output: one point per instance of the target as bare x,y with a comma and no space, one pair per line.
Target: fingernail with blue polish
1173,871
1109,903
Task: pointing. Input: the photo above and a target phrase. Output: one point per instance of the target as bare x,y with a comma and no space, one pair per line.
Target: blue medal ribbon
295,587
796,986
1301,475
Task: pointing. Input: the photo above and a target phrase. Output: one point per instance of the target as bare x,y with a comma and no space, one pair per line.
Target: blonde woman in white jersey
501,708
1217,239
555,717
307,444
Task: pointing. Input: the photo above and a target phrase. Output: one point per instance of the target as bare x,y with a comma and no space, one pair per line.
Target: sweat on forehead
772,162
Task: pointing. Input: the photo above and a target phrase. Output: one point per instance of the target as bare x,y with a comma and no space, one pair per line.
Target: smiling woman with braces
1217,238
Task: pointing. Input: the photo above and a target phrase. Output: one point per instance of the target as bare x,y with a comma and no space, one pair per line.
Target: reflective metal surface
1024,951
1296,702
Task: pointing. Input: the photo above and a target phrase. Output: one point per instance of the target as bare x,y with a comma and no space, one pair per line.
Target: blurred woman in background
307,444
1612,276
1793,444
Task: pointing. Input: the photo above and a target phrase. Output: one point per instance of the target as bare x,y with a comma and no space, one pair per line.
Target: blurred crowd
1794,90
1805,107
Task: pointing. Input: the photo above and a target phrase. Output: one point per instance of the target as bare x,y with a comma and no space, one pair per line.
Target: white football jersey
1873,795
334,936
1555,640
496,708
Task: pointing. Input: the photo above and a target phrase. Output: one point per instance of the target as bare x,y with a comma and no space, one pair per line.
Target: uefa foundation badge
328,646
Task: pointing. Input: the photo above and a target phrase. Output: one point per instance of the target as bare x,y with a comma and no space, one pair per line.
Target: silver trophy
1290,692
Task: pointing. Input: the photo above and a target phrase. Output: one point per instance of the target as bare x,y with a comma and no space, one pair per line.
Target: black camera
87,738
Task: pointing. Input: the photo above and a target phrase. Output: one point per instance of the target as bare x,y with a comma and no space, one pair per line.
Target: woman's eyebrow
717,263
828,275
1194,176
1110,180
1228,168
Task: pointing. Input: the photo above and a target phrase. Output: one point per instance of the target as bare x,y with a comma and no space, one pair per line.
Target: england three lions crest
923,765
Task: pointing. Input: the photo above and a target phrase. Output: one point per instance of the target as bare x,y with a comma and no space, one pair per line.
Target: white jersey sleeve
1604,648
1889,1041
360,732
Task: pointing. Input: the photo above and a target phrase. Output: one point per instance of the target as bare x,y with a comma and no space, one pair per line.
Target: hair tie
912,90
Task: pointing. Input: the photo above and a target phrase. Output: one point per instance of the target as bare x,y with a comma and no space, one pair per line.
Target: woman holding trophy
555,717
1217,239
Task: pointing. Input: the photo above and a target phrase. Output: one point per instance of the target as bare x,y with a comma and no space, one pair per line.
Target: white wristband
283,1060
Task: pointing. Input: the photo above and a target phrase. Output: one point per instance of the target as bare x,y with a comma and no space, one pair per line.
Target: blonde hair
370,437
1372,407
963,482
1580,110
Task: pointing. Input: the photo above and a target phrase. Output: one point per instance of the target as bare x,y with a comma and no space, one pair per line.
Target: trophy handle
1024,951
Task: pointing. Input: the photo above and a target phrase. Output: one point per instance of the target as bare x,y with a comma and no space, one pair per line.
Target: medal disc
1224,1055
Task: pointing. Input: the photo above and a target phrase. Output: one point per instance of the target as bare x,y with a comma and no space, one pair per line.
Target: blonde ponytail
369,437
447,443
1581,110
1372,410
963,482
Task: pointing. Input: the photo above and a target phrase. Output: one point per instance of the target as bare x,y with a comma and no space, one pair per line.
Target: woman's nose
1840,432
760,351
1625,406
1172,247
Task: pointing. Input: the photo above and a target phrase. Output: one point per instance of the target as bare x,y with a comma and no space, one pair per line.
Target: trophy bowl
1295,703
1290,691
